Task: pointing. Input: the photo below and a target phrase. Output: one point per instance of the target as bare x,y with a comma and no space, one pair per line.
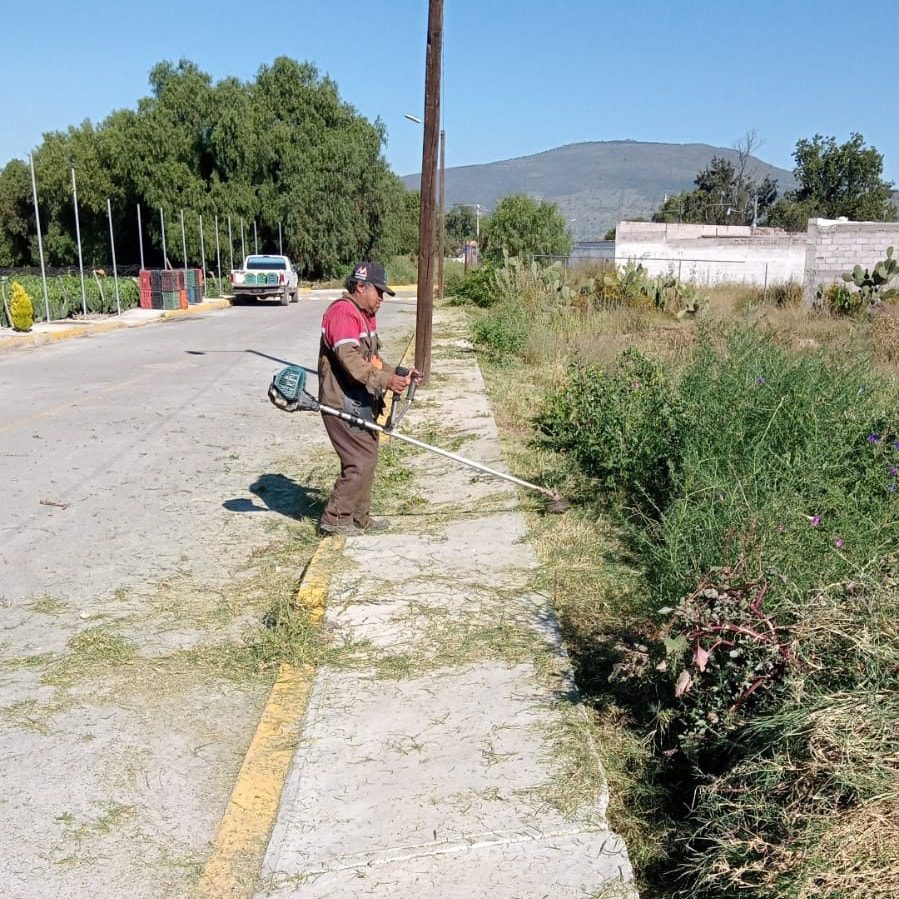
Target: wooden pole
424,313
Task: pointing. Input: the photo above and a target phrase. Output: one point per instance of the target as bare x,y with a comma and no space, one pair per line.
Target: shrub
20,308
402,270
478,286
620,426
840,300
502,330
786,293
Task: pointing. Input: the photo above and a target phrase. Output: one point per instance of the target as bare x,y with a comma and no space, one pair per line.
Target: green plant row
64,294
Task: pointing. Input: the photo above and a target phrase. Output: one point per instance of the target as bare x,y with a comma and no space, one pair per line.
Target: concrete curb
246,826
67,332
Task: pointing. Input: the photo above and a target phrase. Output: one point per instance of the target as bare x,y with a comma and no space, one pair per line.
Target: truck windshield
266,262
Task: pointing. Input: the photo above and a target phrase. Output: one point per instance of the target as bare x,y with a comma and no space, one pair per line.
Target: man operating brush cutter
353,377
288,393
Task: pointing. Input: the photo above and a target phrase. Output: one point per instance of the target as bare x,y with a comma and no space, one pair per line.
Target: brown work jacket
351,374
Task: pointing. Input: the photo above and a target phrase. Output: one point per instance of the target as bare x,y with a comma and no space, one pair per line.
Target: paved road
150,497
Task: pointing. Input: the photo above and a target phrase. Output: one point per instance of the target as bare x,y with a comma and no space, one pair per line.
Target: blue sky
519,77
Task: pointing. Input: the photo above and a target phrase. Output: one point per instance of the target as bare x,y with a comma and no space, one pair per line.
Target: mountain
595,183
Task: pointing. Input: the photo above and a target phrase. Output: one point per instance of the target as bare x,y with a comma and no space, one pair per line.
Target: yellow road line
239,847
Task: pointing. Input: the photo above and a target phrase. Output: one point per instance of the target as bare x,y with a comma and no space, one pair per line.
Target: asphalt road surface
153,504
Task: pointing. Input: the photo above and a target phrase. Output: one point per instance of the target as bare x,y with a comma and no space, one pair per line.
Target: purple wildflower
760,381
815,520
896,445
873,438
838,542
891,486
894,472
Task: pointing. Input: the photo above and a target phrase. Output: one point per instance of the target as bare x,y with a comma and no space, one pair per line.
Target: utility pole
441,214
424,313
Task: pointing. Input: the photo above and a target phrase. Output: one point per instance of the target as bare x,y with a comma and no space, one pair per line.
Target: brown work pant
358,451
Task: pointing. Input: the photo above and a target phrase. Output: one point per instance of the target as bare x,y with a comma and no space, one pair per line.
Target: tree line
833,180
283,148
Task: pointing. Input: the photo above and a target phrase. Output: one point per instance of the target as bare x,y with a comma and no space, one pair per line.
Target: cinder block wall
713,254
834,247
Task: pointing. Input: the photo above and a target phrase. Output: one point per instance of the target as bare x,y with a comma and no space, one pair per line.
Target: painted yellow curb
239,847
44,337
205,306
89,329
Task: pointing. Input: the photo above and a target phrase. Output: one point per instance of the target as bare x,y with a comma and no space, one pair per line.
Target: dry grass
857,854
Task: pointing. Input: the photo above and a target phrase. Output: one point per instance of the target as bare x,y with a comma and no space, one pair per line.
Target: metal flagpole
255,238
202,248
40,242
184,248
78,237
165,258
230,246
280,242
140,237
218,252
115,271
243,247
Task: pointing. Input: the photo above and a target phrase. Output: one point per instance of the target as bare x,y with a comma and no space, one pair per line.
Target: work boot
339,529
375,525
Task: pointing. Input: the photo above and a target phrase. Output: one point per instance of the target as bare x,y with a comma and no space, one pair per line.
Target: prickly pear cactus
873,284
21,309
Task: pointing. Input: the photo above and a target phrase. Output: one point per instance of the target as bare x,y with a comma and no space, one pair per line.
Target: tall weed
766,486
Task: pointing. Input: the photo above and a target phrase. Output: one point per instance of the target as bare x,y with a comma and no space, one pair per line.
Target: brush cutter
287,391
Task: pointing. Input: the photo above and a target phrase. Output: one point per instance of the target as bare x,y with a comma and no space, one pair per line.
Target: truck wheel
295,296
285,296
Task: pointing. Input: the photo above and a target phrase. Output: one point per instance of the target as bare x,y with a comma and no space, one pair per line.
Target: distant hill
595,183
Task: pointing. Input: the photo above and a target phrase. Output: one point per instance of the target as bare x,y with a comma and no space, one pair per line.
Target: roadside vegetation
727,577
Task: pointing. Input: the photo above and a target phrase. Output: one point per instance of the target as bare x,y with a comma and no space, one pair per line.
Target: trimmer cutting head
556,505
287,390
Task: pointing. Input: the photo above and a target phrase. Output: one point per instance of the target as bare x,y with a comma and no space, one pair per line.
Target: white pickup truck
266,276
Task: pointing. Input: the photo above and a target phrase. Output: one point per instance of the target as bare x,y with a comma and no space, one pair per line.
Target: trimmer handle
402,371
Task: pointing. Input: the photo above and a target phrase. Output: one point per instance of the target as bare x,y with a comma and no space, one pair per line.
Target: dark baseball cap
372,273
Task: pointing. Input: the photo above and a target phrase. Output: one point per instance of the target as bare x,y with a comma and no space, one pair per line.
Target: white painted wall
720,254
713,254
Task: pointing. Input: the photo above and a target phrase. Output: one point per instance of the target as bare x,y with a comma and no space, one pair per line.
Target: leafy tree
461,225
281,148
16,213
522,226
724,195
836,180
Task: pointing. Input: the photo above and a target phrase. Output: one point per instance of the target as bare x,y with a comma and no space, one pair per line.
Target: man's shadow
280,494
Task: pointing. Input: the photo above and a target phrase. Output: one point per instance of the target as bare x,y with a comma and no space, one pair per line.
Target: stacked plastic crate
194,286
170,289
151,289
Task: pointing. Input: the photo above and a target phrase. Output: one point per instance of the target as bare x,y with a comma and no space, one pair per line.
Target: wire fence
210,245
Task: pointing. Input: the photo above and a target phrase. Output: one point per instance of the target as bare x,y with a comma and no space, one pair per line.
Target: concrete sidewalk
50,332
443,752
